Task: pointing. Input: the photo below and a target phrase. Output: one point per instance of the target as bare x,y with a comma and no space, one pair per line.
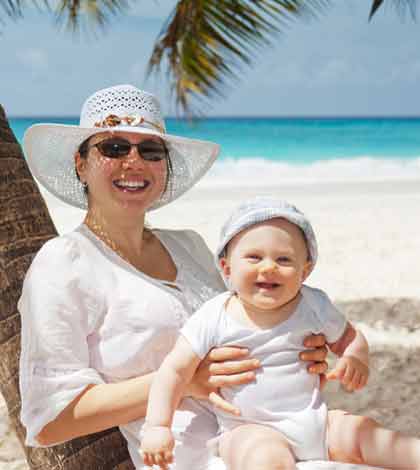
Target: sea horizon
242,117
295,149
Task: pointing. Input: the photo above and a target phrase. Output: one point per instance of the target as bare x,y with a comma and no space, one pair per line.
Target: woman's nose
133,159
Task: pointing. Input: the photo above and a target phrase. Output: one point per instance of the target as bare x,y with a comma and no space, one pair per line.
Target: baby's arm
352,369
168,388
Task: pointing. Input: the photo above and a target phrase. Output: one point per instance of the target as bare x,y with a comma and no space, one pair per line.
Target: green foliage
204,44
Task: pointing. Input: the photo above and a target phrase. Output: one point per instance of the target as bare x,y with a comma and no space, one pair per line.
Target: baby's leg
256,447
358,439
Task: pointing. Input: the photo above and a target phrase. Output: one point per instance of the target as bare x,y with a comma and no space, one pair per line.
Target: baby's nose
268,266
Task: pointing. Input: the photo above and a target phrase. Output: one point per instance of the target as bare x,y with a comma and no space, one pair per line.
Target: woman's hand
222,367
316,355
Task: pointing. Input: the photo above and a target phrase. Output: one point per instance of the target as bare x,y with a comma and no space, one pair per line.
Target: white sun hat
261,209
50,148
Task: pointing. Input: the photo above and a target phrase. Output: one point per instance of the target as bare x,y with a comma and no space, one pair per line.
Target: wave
258,171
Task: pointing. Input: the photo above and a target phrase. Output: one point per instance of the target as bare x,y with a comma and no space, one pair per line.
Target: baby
266,251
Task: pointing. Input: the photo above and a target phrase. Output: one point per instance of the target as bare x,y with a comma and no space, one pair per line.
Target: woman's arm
99,407
104,406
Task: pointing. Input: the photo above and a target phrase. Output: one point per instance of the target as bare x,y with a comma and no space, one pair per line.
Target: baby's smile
267,285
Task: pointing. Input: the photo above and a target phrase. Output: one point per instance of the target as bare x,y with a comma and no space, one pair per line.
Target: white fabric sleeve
201,329
205,257
332,322
57,316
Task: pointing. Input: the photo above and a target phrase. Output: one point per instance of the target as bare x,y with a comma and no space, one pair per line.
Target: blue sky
338,64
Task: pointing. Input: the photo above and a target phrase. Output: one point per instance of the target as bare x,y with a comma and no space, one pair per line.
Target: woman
102,306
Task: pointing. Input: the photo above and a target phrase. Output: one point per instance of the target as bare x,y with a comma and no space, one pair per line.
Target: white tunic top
90,317
284,394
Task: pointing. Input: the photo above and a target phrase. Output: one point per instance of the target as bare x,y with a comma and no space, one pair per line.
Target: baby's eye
253,257
284,259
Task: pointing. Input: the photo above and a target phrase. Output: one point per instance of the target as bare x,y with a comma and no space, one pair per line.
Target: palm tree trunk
25,225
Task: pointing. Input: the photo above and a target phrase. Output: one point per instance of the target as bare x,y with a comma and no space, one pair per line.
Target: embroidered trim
133,121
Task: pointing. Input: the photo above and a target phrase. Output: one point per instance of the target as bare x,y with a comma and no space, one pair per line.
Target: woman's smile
131,185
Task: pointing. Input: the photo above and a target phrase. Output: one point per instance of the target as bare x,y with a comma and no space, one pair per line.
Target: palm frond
403,7
14,9
11,8
375,6
72,14
78,14
204,44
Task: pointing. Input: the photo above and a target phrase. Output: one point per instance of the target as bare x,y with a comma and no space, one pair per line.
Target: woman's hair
84,150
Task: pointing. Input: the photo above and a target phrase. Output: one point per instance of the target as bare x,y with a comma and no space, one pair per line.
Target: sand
369,264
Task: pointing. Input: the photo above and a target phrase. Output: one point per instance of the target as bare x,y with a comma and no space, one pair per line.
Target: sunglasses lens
114,148
152,150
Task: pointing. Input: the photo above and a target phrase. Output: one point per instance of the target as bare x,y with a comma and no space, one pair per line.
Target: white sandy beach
369,246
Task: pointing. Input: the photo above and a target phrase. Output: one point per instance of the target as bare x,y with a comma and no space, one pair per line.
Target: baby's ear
307,269
224,266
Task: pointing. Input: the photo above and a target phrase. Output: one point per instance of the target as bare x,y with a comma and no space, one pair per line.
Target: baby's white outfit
284,395
89,317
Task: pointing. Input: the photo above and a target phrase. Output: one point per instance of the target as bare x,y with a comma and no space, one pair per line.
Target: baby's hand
351,372
156,446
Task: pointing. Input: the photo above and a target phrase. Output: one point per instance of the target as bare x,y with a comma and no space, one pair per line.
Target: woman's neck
124,235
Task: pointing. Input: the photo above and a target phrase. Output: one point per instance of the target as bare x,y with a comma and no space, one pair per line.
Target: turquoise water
292,140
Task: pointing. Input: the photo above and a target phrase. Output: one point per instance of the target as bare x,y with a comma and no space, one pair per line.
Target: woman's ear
224,266
79,164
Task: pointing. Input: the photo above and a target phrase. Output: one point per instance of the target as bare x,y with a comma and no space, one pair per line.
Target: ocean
275,150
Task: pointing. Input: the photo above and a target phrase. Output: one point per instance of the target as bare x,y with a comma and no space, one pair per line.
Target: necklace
98,229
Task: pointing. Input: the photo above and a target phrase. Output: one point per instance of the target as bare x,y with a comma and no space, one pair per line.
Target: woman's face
129,182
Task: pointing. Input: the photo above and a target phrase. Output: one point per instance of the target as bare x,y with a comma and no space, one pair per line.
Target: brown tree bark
25,225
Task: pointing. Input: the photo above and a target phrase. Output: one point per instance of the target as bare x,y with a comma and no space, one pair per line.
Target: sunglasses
118,147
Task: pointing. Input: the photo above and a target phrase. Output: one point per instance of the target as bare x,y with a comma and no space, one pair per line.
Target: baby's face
267,263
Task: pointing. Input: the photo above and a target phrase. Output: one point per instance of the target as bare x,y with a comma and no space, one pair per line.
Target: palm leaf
87,14
73,14
12,8
401,6
205,44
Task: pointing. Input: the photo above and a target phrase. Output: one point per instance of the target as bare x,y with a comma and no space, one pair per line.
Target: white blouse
90,317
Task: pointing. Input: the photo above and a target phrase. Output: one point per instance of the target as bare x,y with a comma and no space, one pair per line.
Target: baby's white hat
261,209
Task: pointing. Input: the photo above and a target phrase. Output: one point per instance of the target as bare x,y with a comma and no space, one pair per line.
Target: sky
336,65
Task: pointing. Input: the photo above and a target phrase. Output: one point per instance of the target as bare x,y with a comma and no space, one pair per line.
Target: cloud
34,59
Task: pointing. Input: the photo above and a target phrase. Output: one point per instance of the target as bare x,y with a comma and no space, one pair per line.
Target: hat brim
50,148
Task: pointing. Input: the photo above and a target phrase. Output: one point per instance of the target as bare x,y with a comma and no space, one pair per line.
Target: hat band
130,121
